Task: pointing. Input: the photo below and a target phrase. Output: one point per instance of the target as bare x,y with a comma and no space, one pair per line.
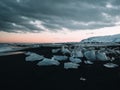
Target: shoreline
16,73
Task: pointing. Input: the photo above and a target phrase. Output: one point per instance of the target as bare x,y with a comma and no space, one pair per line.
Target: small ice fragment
82,79
88,62
75,60
112,59
33,57
110,65
68,65
48,62
60,58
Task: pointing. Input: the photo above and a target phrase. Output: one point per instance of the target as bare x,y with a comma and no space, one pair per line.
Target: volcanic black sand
16,73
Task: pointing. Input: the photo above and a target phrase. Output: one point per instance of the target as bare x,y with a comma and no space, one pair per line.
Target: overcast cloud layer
41,15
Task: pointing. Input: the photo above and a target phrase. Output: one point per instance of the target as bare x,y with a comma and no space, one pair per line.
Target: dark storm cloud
40,15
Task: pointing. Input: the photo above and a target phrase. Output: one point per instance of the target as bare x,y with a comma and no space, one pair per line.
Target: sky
46,21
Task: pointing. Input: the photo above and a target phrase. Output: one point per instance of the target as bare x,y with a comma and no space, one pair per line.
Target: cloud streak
53,15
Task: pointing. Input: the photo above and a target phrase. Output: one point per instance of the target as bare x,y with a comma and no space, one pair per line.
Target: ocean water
5,48
8,47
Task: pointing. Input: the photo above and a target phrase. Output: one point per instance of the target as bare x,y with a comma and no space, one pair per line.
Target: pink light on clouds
59,36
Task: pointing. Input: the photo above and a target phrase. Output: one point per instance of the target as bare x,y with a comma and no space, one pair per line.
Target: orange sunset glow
61,36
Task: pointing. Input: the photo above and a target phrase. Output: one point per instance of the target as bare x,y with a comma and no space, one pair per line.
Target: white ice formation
88,62
75,60
60,57
55,50
65,50
48,62
77,53
110,65
101,56
90,55
70,65
33,57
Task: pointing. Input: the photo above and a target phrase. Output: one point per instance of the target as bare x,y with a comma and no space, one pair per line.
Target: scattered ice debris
55,50
76,53
90,55
48,62
110,65
69,65
60,58
88,62
82,79
75,60
33,57
101,56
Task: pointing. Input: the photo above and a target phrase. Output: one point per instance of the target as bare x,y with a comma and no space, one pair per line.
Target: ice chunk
48,62
79,54
68,65
75,60
60,58
55,50
76,53
88,62
33,57
84,49
110,65
118,51
90,55
28,53
101,56
65,50
112,59
82,79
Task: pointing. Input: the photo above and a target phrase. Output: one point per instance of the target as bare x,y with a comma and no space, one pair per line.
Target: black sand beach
16,73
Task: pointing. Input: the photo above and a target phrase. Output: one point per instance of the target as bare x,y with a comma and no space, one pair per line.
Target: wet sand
16,73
